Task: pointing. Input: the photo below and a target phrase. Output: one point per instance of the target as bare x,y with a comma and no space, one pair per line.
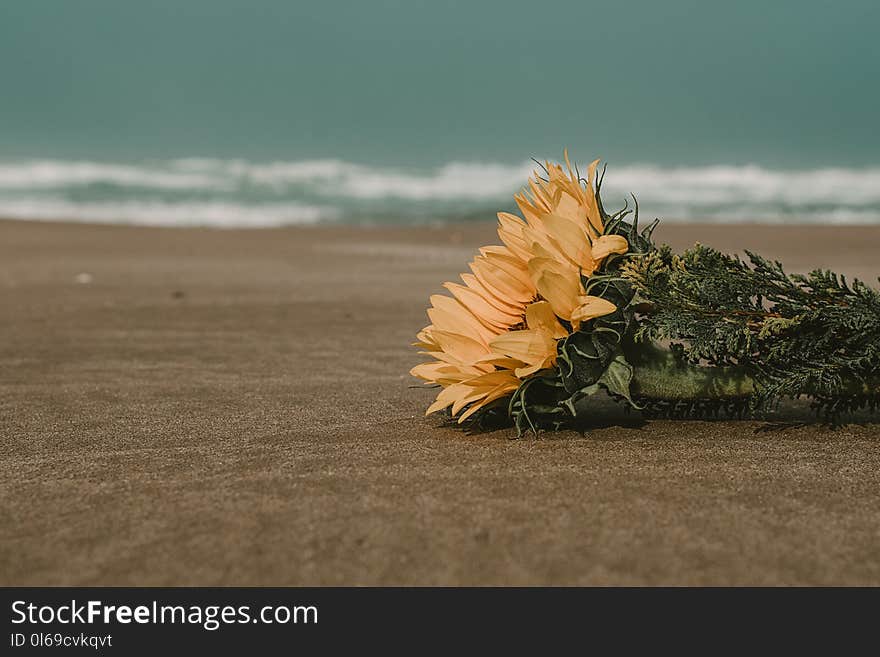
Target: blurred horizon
174,111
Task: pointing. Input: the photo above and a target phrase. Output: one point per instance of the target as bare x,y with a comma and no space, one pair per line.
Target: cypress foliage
813,335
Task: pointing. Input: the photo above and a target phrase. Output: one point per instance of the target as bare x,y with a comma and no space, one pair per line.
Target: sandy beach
232,407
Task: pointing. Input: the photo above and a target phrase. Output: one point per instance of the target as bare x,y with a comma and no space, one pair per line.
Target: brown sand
233,407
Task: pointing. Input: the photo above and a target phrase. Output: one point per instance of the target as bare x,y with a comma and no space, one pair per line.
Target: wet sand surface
209,407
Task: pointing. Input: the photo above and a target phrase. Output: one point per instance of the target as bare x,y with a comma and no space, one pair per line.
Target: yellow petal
479,390
463,348
540,317
426,371
443,373
499,282
529,211
474,395
482,309
490,379
510,231
496,393
450,368
503,362
541,243
446,397
572,240
425,336
541,195
557,284
468,368
593,214
560,291
591,172
568,165
503,258
506,306
608,244
590,307
496,249
570,207
523,372
528,346
449,314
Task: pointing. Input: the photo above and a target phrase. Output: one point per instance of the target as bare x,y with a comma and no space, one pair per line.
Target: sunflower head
501,324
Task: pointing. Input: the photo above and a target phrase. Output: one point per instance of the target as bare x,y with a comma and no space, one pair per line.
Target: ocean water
233,193
274,112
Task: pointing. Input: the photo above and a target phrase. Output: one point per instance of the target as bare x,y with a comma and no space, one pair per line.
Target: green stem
658,374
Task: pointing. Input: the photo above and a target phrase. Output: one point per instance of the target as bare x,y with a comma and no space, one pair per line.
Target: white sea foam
43,174
238,192
748,184
336,178
145,213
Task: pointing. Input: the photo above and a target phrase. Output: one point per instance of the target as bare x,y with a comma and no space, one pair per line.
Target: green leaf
577,396
617,377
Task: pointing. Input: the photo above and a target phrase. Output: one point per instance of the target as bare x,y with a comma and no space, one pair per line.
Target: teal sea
274,112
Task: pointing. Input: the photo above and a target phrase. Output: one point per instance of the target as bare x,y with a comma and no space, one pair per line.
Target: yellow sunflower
502,324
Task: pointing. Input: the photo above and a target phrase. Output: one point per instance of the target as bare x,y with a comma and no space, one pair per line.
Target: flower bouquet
578,301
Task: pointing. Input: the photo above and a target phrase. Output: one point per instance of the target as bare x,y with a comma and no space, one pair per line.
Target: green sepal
618,377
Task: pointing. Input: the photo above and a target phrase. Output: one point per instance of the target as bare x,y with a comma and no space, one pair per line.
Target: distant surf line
235,192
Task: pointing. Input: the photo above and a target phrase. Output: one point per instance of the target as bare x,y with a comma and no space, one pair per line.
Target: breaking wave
238,193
